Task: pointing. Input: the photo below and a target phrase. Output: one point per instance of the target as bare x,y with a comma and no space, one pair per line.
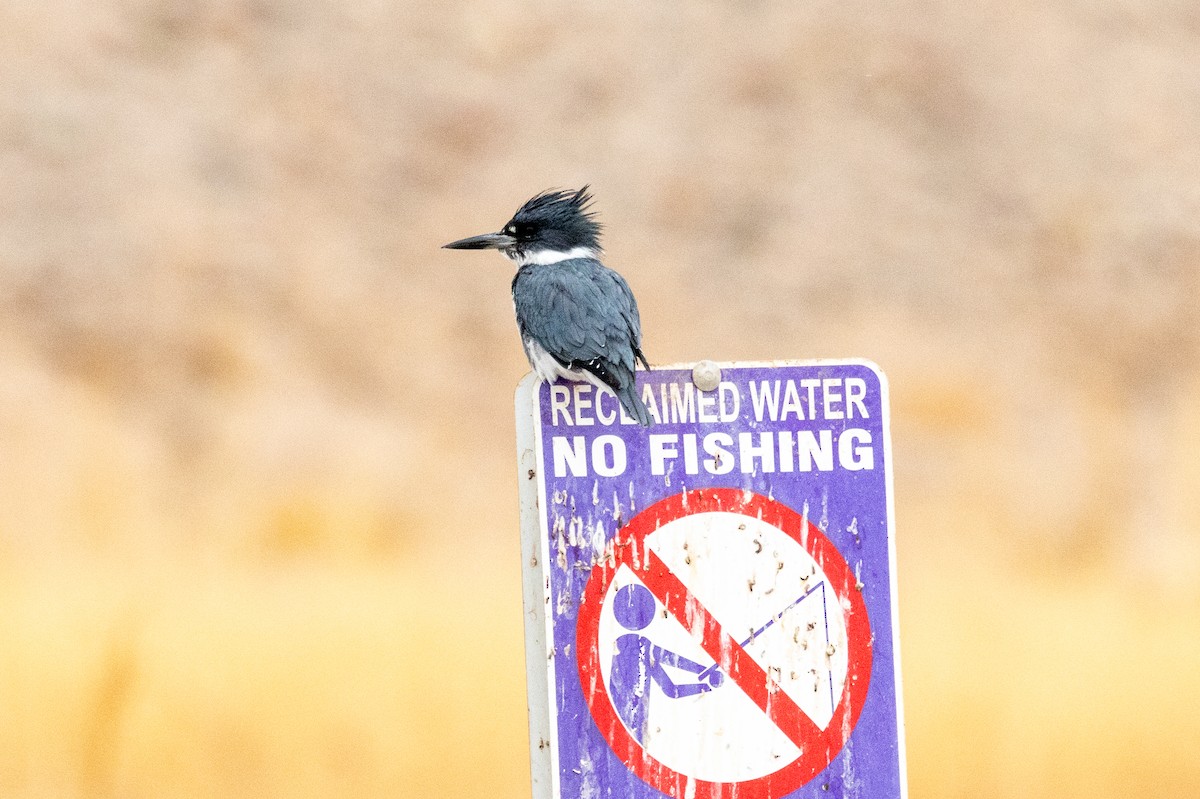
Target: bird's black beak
488,241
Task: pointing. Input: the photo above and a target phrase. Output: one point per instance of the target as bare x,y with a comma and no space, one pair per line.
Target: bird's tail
632,403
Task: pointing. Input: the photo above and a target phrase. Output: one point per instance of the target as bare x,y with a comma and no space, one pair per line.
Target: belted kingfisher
577,318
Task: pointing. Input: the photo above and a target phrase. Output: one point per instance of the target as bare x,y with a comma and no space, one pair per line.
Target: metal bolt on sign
706,375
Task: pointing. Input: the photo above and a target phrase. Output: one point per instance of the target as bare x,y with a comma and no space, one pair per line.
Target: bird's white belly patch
549,369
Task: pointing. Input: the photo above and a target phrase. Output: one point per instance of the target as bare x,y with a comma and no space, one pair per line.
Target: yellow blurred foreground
398,681
302,681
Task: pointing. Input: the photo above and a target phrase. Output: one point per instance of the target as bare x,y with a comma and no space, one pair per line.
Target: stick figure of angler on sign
637,662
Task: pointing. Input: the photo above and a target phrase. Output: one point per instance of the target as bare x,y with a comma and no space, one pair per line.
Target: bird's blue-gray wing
583,314
632,319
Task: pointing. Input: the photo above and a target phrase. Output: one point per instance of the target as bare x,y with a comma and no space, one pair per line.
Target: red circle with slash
818,747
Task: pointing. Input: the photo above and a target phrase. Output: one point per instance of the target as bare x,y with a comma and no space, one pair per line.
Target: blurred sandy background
258,519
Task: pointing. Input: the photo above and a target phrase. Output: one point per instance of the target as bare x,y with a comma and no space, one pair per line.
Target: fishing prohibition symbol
760,713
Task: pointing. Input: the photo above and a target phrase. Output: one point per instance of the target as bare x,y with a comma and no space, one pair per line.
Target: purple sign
714,595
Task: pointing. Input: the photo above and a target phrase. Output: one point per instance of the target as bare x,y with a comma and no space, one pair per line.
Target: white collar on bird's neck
547,257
